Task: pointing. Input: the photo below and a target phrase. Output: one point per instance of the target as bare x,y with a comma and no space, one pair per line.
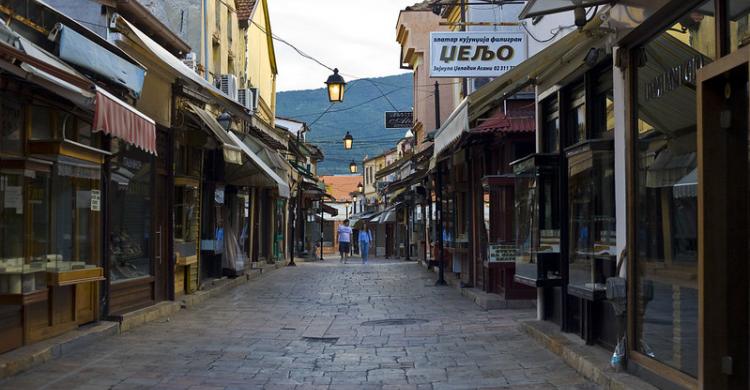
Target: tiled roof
425,5
244,9
514,122
340,186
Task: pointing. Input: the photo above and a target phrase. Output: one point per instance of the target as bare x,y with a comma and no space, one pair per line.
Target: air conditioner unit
228,85
248,97
190,61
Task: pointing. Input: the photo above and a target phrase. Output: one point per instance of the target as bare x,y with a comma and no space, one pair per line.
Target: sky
356,36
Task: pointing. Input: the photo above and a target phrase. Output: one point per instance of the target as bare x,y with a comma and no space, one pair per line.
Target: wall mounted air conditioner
190,61
248,97
228,85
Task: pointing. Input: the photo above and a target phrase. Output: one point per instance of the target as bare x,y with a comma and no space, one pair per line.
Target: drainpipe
205,39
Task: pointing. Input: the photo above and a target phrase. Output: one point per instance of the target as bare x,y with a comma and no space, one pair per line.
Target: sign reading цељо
475,54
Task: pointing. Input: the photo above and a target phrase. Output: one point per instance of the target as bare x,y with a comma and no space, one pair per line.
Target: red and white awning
118,119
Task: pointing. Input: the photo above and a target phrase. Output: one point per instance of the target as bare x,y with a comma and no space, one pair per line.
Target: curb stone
590,361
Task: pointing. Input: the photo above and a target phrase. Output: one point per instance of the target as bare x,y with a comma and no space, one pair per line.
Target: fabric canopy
232,151
280,184
114,117
454,126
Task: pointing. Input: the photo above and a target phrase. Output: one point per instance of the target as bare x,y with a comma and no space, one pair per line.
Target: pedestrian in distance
365,239
345,239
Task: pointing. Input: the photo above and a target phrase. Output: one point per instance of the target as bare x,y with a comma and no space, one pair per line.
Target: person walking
365,239
345,238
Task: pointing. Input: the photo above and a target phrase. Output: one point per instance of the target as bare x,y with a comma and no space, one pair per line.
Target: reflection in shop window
130,223
666,307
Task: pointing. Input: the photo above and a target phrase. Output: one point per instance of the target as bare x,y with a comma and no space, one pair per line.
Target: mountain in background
361,113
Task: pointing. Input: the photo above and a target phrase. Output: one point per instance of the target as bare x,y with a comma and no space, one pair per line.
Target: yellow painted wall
228,55
261,62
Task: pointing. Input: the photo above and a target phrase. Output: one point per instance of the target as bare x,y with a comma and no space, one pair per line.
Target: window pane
551,126
591,185
11,126
738,15
603,107
666,181
130,201
576,129
41,126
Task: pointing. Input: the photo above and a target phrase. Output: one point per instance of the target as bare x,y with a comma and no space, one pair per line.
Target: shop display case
130,200
187,221
537,216
24,239
591,212
75,243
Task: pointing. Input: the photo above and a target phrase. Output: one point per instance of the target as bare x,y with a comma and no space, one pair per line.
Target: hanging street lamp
360,188
336,85
348,141
353,167
224,120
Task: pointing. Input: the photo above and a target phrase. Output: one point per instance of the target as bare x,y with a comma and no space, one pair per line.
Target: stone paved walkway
304,328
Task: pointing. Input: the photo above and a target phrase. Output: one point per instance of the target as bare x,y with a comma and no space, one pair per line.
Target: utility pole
438,205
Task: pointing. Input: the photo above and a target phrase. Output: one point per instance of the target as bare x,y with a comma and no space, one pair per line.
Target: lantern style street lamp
360,188
224,120
348,141
336,86
353,167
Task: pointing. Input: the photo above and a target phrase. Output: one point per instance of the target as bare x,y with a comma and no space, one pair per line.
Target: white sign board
475,54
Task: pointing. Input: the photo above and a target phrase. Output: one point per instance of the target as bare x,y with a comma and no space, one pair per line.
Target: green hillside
361,114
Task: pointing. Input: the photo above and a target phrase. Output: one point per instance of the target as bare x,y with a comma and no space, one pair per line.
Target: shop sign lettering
475,54
684,74
498,253
399,119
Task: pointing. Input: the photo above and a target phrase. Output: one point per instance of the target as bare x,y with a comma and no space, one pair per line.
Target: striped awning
118,119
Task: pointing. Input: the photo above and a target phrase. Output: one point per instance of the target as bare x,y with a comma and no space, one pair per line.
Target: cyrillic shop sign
475,54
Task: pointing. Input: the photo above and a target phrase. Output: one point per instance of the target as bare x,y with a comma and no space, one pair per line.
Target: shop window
537,218
738,15
187,221
328,234
666,245
79,130
550,125
76,213
11,126
602,106
52,124
130,192
42,127
188,161
591,185
24,230
576,115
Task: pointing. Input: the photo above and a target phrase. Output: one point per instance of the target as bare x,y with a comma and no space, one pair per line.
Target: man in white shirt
345,238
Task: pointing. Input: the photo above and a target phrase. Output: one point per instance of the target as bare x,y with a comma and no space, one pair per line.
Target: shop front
686,106
54,156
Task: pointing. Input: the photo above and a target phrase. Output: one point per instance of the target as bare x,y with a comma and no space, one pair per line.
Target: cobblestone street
320,326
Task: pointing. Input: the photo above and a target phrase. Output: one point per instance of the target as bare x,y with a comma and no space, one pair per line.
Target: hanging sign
475,54
399,119
501,253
